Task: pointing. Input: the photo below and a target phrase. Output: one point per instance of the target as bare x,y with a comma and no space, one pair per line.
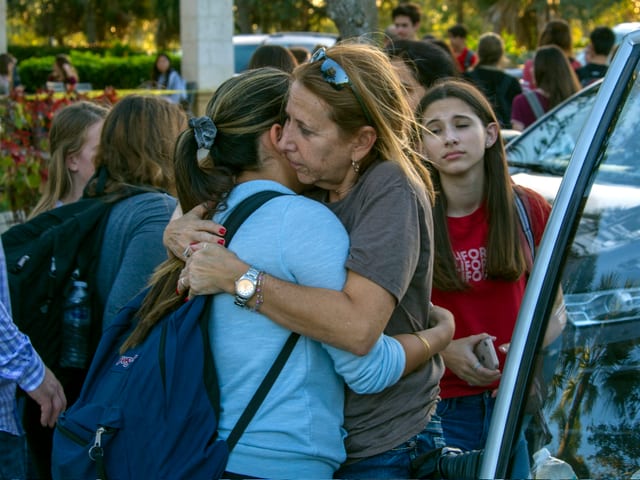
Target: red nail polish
177,291
193,243
222,231
221,241
186,299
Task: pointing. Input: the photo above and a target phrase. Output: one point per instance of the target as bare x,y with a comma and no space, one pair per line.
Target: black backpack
45,255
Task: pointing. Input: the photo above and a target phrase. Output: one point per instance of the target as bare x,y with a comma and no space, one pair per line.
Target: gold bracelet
425,342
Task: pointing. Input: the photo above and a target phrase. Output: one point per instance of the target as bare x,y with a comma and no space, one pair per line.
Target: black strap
244,209
262,391
239,214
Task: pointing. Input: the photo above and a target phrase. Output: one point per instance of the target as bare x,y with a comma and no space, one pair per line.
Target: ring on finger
477,366
187,252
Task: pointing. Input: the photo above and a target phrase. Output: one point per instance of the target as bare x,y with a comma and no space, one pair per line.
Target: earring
487,144
356,166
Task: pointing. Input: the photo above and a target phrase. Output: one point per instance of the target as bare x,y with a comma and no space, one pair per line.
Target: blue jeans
465,424
396,462
13,457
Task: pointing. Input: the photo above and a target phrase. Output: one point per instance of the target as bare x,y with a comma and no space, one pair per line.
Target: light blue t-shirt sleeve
316,253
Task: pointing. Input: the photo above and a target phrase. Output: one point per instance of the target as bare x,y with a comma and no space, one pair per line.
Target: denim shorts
396,462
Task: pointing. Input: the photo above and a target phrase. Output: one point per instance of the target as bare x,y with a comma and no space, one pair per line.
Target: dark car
578,398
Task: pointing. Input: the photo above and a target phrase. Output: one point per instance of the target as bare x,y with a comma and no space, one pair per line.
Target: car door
577,397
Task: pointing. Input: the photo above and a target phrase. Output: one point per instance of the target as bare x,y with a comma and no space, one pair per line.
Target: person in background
301,54
556,32
482,257
419,64
20,366
467,59
499,87
601,41
63,71
166,77
555,80
7,68
275,56
136,147
406,21
73,141
349,131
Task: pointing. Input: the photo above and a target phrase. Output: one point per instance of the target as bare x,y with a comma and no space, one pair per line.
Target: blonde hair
67,136
382,99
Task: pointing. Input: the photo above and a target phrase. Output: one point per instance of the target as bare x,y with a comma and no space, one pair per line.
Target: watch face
245,287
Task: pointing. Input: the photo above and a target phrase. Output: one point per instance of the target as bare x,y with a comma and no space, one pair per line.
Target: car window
583,410
546,146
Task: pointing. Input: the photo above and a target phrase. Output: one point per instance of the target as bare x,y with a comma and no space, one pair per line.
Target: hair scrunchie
204,130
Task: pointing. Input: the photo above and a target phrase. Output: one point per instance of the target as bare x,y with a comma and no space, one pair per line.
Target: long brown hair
242,109
136,144
505,255
554,74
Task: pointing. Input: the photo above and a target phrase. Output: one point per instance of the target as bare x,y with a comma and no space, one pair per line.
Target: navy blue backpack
152,412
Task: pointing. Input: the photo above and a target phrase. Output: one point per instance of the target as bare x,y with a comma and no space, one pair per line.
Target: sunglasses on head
334,75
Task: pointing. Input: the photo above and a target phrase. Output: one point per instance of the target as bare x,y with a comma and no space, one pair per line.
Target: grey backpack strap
534,103
524,221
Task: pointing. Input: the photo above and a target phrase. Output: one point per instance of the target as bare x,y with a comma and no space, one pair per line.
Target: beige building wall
206,31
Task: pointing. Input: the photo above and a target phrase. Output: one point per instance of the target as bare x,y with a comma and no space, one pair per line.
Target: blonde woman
73,141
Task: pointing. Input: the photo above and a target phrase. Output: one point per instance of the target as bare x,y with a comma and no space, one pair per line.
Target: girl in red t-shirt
481,257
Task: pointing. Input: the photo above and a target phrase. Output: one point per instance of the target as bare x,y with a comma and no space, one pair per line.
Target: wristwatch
246,287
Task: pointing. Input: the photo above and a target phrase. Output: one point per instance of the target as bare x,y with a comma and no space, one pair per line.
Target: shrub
119,72
24,146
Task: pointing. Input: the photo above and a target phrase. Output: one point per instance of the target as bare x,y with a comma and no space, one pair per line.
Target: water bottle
76,324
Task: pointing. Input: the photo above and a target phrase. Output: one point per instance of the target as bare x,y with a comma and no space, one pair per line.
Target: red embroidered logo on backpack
125,362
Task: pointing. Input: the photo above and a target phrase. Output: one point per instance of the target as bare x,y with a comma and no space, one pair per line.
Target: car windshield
546,146
583,412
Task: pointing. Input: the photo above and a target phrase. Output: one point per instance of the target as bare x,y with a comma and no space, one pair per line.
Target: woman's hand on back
184,231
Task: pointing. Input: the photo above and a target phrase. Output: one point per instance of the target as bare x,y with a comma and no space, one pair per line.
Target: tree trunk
353,17
90,22
243,16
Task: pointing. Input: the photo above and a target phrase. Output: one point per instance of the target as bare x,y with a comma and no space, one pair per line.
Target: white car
245,44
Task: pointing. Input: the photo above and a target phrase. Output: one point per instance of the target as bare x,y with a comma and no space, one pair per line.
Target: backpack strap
239,214
467,59
521,209
262,391
534,103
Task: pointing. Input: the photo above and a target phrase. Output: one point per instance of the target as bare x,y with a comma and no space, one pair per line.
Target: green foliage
23,150
121,72
24,145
